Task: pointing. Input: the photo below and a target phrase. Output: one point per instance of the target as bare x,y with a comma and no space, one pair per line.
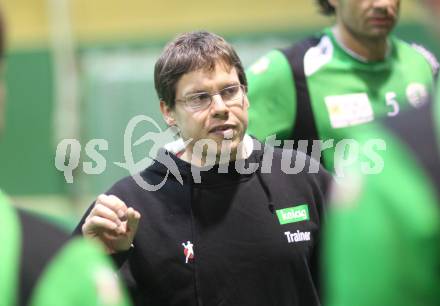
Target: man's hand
112,223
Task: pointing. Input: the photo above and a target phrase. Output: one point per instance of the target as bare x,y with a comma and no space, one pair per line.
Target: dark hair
190,52
326,8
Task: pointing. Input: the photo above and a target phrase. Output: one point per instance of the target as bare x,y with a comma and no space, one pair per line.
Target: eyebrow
201,91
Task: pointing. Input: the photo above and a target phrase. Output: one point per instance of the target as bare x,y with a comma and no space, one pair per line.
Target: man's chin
380,33
222,136
224,153
218,149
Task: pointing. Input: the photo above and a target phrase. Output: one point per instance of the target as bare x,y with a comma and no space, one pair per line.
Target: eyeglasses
231,95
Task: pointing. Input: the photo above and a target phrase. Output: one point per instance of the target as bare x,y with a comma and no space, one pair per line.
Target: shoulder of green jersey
260,66
318,56
264,63
107,286
429,56
346,190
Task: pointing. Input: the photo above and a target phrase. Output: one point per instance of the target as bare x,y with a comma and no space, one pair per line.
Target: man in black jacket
236,225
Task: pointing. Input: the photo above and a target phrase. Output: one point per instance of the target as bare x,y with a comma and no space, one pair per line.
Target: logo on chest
293,214
188,251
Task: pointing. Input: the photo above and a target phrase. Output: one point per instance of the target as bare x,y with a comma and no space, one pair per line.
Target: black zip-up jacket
242,255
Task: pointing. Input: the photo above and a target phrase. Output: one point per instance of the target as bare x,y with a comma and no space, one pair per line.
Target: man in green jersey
40,266
347,75
382,238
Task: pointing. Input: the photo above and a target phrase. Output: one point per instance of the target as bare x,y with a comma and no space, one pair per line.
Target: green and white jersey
382,237
41,266
318,90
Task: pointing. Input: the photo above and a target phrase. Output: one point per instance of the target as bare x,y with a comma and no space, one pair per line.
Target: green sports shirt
40,266
382,238
316,89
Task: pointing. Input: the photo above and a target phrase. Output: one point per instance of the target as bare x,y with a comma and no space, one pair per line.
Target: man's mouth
381,21
224,130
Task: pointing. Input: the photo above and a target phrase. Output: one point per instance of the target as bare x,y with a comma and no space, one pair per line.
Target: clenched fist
112,223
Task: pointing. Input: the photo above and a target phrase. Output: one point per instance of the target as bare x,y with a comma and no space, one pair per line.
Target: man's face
371,19
217,122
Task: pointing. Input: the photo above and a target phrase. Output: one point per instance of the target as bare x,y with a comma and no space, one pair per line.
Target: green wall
27,149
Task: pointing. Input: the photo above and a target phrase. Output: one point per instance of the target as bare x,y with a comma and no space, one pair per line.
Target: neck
369,49
202,158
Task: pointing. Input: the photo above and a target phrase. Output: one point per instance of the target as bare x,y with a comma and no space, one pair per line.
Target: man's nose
218,105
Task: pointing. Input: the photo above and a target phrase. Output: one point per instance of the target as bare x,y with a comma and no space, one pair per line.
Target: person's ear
167,113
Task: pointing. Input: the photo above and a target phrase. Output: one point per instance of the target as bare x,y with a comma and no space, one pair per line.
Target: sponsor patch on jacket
348,110
293,214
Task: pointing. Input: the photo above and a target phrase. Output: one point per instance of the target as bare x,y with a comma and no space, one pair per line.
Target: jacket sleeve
322,183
